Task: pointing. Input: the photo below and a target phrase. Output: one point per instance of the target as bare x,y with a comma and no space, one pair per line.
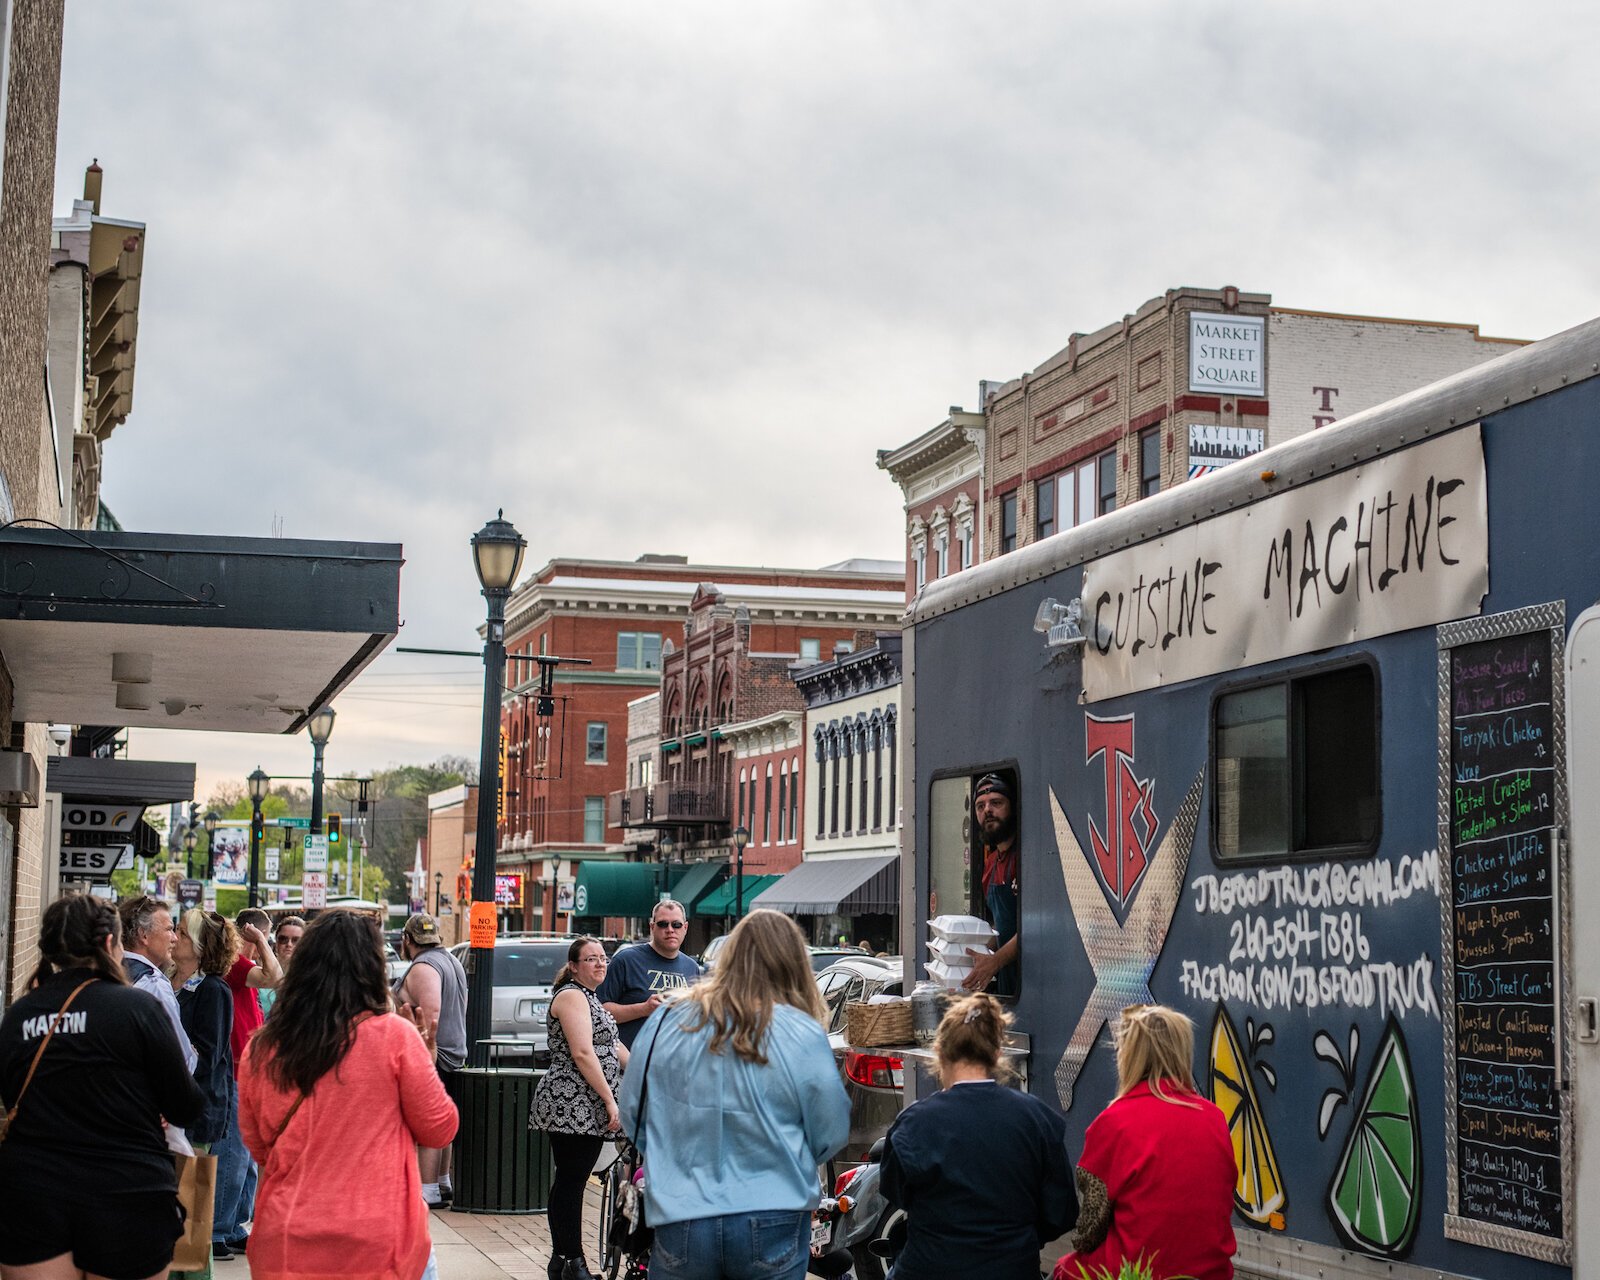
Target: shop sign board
1227,354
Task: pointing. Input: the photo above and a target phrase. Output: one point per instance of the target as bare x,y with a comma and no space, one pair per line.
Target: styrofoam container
954,951
947,975
970,930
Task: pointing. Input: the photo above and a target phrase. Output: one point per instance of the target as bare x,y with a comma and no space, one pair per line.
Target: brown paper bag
197,1188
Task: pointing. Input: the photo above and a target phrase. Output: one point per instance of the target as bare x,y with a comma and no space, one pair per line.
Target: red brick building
564,760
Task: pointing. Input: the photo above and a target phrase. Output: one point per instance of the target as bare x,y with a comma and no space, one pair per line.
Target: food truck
1309,748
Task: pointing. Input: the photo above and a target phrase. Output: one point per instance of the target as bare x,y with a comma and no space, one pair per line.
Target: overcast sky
663,276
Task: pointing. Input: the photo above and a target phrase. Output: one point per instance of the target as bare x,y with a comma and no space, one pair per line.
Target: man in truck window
994,814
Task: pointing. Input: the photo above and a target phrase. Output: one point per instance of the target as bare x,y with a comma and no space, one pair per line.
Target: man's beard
1003,830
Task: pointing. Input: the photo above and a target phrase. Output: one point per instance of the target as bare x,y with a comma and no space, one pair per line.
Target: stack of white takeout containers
952,940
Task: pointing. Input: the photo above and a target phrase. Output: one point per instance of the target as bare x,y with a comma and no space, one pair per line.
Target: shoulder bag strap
11,1112
644,1081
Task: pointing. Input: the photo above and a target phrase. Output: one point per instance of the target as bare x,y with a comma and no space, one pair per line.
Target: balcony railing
674,727
668,804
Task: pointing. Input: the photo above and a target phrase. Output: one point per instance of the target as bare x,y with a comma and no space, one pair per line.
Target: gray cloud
663,277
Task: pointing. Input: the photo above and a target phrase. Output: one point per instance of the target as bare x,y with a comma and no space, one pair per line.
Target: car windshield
527,966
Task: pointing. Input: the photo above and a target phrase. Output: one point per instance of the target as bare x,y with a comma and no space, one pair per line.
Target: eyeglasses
671,924
592,959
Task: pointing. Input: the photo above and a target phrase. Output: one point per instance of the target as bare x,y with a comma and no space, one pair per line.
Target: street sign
290,822
314,890
270,856
190,893
316,851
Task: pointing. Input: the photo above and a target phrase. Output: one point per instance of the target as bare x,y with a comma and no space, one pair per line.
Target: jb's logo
1122,850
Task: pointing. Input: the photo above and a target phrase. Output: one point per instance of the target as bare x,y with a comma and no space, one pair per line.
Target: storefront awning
696,882
238,634
625,889
838,886
721,900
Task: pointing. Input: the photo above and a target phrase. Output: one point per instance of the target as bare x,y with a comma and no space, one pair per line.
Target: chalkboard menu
1502,813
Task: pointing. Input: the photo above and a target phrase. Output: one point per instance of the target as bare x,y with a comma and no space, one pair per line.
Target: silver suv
525,964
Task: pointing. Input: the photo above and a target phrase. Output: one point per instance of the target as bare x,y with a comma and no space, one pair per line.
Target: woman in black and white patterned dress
576,1102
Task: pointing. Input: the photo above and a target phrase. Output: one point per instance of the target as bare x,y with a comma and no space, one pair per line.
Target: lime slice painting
1259,1193
1375,1195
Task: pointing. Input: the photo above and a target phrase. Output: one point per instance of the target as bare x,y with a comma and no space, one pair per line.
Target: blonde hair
764,963
972,1030
1155,1046
216,941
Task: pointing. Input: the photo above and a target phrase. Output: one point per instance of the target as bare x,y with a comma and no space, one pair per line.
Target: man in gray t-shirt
436,984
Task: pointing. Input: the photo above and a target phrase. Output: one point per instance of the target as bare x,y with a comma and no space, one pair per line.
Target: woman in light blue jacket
733,1099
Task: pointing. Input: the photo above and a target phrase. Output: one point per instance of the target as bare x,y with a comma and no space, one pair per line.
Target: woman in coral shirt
335,1095
1156,1179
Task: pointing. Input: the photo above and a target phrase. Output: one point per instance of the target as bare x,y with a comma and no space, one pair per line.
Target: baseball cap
992,782
423,930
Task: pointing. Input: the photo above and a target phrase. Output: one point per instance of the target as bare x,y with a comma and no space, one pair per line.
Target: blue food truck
1309,748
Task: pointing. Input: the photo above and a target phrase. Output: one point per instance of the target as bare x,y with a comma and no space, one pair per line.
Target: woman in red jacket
335,1095
1157,1174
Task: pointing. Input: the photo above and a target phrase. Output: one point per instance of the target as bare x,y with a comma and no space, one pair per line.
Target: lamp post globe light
665,845
497,550
188,851
741,837
320,727
257,781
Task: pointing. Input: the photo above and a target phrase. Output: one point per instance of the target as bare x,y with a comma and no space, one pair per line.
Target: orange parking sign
481,930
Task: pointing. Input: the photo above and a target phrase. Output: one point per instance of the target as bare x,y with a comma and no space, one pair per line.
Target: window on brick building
750,802
919,563
1008,523
964,547
833,754
647,770
1044,508
783,799
941,555
638,651
594,819
794,799
847,745
810,650
1108,482
544,644
822,782
740,820
594,750
889,717
766,808
1150,462
861,743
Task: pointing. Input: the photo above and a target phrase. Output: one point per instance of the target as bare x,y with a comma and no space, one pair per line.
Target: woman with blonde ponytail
981,1170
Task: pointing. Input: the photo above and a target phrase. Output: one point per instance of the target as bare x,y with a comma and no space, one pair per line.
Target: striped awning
837,886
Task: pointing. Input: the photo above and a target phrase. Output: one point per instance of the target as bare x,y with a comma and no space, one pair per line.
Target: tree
397,816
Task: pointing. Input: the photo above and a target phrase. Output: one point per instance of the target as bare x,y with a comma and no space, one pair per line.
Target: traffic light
333,828
258,826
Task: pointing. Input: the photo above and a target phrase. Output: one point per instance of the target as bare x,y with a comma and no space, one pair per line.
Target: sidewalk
479,1246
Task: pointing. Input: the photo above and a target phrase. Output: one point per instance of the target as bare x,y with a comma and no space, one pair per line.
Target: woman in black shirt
87,1184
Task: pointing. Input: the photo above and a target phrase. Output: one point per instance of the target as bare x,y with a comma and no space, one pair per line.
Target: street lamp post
320,727
497,555
258,790
438,889
188,851
741,837
665,846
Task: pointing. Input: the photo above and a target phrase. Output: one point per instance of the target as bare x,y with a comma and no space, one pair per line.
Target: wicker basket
867,1025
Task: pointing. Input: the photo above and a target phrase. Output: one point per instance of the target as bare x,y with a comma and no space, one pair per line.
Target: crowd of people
287,1058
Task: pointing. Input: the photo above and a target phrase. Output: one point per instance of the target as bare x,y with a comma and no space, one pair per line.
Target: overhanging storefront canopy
238,634
626,889
721,901
696,882
838,886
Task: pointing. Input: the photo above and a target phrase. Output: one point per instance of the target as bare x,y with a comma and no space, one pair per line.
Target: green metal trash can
501,1165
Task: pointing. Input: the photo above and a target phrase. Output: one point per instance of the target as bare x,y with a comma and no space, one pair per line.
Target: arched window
833,799
766,808
875,729
741,821
822,779
794,798
848,745
862,734
783,797
889,717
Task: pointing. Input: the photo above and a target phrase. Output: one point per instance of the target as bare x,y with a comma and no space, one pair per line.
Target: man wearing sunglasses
642,975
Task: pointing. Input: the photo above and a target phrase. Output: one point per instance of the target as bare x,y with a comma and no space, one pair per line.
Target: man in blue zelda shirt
641,976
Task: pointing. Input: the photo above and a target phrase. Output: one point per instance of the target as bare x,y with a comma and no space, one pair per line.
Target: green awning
626,889
696,881
720,901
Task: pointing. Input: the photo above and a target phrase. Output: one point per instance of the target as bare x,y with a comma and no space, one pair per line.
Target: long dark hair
73,935
337,975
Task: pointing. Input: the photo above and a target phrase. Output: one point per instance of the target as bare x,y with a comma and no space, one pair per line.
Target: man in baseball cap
437,984
995,819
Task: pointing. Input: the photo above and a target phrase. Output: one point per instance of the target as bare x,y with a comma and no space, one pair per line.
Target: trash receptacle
501,1165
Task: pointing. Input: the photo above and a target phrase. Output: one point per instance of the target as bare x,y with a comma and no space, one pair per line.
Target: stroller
624,1247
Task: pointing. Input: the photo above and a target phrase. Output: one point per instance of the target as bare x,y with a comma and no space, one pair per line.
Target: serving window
956,855
1296,766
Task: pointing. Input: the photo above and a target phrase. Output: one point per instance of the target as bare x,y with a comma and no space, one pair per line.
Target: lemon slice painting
1374,1196
1259,1193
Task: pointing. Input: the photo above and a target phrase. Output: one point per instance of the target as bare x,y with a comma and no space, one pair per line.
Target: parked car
708,957
874,1079
396,965
525,966
822,957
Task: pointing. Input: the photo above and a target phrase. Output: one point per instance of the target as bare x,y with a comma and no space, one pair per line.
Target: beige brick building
1191,380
